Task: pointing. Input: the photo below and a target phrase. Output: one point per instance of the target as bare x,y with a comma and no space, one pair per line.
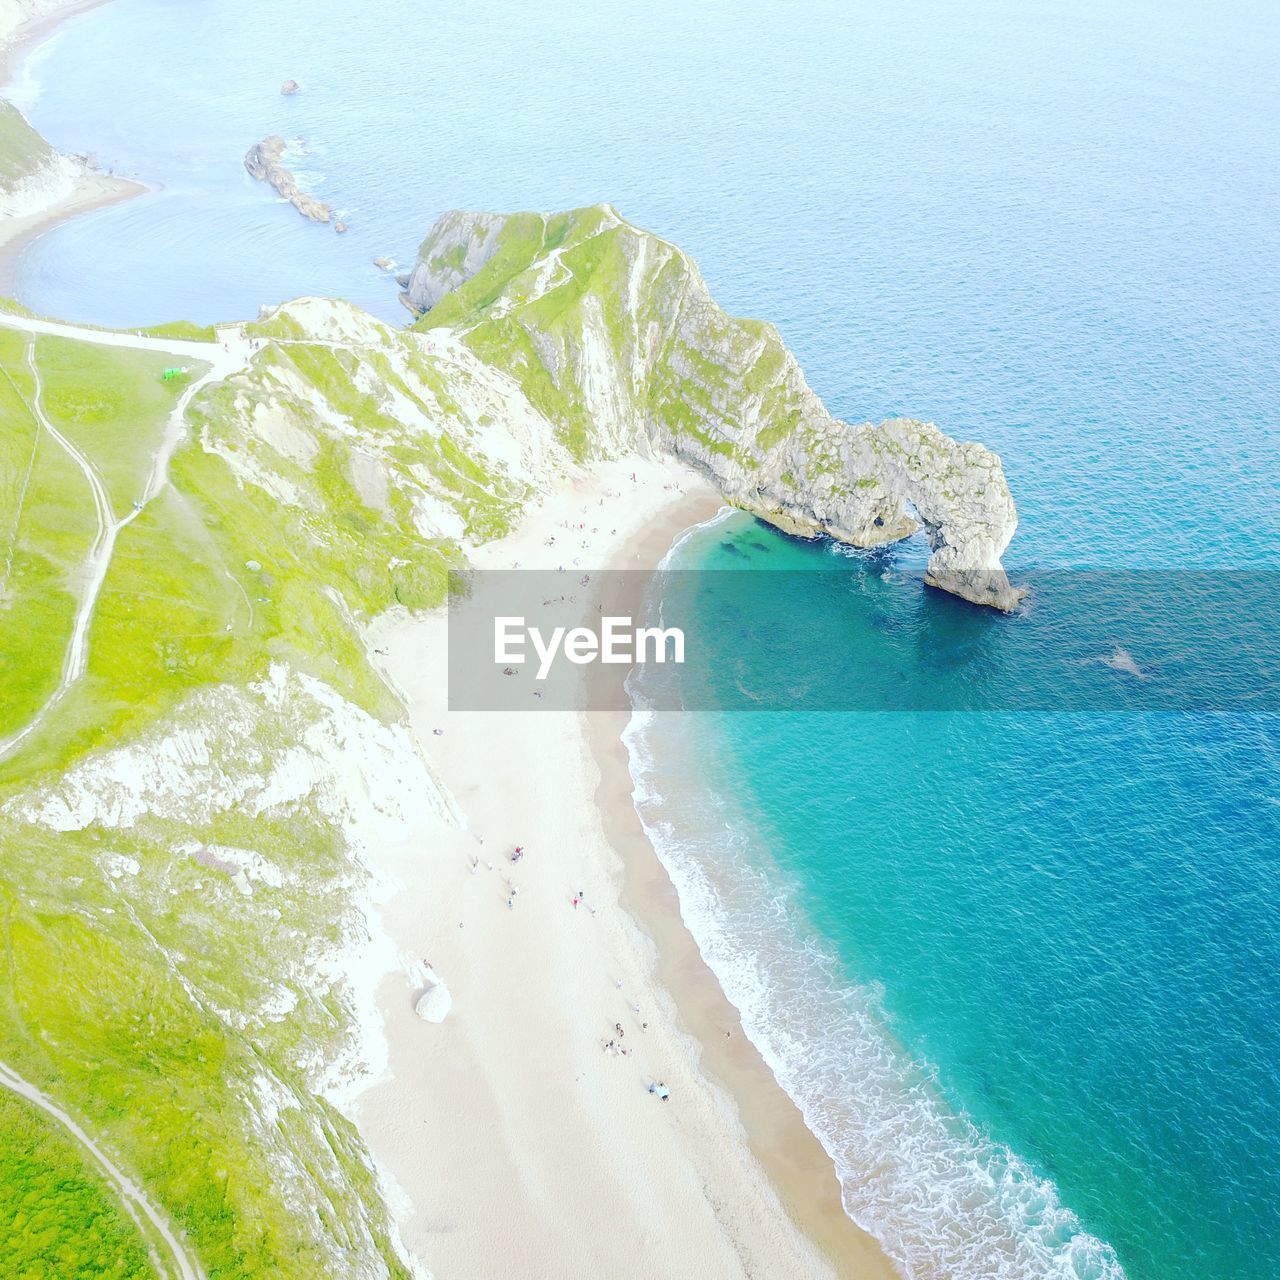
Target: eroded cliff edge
613,335
33,176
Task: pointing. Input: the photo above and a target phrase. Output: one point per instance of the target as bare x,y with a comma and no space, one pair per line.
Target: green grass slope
22,150
185,1022
58,1216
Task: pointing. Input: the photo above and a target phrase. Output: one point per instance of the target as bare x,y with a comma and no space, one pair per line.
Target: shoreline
793,1158
752,1192
510,1137
94,189
20,31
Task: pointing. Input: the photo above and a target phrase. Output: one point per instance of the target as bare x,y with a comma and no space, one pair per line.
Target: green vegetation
110,1007
182,1012
13,308
450,261
570,280
58,1215
104,1001
48,528
113,404
366,412
22,149
183,329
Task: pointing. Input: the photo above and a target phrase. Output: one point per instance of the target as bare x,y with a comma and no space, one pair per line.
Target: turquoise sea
1020,969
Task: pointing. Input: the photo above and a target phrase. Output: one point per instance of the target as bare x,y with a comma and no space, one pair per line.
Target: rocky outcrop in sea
264,161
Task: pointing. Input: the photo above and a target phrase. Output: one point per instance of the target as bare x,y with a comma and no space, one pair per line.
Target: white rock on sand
435,1002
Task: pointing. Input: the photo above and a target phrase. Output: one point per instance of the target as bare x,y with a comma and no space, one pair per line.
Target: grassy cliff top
22,150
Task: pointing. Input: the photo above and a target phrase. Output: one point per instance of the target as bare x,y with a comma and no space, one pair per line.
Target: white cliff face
459,245
33,175
615,337
48,185
216,756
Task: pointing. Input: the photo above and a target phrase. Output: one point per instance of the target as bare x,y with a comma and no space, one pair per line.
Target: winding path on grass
134,1199
228,355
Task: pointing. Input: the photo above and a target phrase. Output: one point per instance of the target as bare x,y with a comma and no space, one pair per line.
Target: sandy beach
91,191
512,1139
520,1143
23,24
26,22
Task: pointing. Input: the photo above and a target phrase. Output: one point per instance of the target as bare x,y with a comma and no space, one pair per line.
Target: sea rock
640,357
264,161
383,264
435,1002
339,226
290,87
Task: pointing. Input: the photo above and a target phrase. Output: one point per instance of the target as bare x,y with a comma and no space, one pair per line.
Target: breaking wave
942,1198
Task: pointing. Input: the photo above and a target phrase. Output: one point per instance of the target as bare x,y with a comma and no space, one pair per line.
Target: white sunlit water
1018,971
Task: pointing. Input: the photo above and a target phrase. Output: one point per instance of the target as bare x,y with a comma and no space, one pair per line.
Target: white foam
941,1197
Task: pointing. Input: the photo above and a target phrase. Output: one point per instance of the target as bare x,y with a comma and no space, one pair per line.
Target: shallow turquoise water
1020,970
1051,227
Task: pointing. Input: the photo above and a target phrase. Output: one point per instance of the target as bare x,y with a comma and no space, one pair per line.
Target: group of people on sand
517,855
614,1045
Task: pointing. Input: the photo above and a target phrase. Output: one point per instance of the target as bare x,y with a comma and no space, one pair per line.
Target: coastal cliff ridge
614,335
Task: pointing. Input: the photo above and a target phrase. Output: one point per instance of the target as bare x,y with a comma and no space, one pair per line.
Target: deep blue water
1019,969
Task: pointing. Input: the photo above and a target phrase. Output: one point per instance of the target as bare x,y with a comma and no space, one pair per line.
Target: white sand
63,192
90,191
514,1145
22,21
523,1147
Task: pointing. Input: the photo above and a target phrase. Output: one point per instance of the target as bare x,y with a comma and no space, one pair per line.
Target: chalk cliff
613,335
33,175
